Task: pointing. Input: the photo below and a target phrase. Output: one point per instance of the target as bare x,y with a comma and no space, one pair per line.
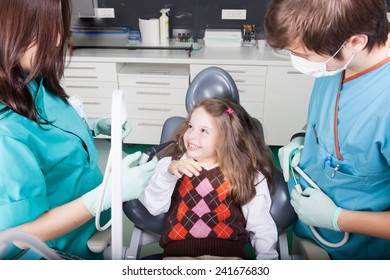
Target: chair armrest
99,241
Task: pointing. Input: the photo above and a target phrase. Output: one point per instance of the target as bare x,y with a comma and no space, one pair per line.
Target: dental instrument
148,154
298,188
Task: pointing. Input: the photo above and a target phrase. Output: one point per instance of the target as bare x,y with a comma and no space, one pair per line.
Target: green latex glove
315,208
103,126
134,181
284,153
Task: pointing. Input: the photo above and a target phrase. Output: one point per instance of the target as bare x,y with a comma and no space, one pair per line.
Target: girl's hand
188,167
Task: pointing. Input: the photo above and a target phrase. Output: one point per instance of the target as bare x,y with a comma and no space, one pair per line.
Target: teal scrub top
45,166
359,178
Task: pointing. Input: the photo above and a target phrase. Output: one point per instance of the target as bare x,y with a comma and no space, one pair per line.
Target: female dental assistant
347,140
50,181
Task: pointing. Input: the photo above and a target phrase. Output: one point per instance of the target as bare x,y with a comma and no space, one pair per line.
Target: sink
281,53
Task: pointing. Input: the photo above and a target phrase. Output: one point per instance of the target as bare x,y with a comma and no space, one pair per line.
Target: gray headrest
212,82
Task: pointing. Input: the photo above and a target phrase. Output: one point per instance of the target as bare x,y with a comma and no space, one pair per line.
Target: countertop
248,55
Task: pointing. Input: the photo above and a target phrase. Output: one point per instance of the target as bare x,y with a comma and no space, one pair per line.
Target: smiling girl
215,187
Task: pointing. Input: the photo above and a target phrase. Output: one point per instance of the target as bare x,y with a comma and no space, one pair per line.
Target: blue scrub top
44,166
361,180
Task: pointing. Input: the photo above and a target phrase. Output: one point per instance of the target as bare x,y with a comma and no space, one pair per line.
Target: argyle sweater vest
203,220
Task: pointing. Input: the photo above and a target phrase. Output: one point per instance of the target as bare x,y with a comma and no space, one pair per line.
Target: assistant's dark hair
24,24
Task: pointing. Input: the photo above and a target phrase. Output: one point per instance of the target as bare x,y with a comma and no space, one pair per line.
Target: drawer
248,80
91,71
145,131
251,93
156,82
95,105
155,70
155,111
155,95
233,70
255,109
97,89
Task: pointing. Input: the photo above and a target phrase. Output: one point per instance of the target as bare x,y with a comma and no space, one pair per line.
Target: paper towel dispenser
84,8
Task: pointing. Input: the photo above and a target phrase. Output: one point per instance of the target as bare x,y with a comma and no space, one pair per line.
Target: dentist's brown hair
322,26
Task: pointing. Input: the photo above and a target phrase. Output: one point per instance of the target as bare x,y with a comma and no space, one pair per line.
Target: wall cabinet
287,98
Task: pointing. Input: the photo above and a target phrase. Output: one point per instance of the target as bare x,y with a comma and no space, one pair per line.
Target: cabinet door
287,97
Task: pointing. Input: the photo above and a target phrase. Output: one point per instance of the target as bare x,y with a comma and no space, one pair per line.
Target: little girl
214,187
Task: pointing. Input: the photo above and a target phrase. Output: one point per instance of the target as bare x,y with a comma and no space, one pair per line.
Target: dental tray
100,33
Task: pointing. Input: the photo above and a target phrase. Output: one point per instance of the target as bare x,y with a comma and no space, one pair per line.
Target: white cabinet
250,81
94,83
286,103
153,92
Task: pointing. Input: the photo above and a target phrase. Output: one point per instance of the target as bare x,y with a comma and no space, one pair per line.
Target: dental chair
212,82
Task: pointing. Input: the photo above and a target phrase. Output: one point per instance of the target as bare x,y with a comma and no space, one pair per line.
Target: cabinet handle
91,103
153,83
241,90
150,124
81,68
239,81
92,87
154,109
151,71
81,77
237,71
153,93
294,72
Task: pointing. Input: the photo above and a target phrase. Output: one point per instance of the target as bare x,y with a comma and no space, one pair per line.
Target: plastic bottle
164,27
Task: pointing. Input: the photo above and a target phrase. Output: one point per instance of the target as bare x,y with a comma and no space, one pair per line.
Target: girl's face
201,137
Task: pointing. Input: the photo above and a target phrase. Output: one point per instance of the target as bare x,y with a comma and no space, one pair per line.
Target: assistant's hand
315,208
103,126
284,153
134,181
187,166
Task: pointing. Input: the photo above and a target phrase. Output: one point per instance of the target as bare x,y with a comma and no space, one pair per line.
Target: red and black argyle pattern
202,208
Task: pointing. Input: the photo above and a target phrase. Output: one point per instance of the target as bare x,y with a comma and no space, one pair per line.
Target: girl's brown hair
242,151
23,24
322,26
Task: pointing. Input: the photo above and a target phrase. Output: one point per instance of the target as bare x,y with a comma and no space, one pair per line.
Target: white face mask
316,69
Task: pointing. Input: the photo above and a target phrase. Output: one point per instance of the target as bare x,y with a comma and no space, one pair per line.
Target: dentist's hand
134,181
284,153
315,208
103,126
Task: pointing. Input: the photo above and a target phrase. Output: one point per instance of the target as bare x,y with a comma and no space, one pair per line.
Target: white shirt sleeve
262,229
158,193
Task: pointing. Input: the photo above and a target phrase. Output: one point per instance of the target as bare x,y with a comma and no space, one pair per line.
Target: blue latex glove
315,208
134,181
103,126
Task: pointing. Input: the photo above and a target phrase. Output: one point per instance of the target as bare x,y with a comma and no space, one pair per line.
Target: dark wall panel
188,14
